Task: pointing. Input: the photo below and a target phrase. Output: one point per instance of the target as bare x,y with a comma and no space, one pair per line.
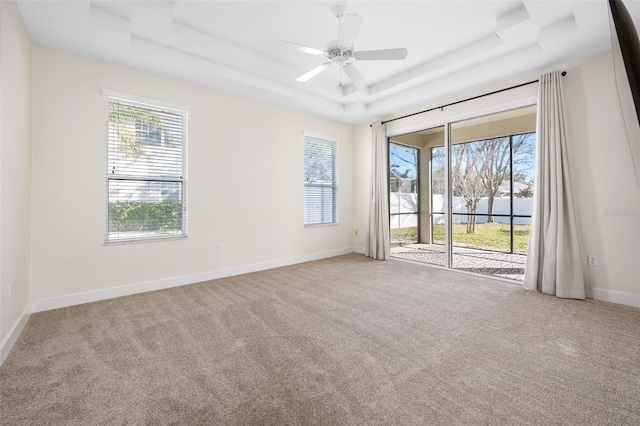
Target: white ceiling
455,47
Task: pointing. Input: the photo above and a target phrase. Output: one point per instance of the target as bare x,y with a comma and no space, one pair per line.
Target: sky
403,159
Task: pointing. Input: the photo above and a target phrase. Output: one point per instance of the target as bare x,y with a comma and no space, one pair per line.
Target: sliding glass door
491,183
475,193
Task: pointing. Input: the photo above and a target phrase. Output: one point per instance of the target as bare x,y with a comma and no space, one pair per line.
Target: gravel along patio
502,265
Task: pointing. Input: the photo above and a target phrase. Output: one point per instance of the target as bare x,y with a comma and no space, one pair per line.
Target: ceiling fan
341,50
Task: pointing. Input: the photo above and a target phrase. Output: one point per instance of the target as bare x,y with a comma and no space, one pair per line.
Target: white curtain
555,263
378,244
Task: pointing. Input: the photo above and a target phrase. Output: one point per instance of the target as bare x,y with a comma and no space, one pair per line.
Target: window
320,181
146,152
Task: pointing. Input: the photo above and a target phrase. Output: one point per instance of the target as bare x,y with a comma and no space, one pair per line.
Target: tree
406,157
316,170
466,181
526,192
403,165
437,170
524,160
125,120
318,163
522,176
493,162
480,168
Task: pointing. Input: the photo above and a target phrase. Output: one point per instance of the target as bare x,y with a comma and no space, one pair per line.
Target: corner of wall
16,51
11,337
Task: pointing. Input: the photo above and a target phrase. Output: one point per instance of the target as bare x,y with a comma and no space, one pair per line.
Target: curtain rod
464,100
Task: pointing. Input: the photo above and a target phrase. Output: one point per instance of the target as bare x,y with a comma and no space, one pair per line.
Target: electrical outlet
294,239
593,260
218,248
10,291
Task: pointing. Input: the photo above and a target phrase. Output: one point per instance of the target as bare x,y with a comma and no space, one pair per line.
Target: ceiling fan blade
349,30
305,49
384,54
356,78
317,70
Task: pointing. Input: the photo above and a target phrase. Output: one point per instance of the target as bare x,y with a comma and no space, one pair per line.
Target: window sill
319,225
144,240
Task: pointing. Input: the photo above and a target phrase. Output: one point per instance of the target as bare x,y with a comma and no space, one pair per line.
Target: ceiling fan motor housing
338,54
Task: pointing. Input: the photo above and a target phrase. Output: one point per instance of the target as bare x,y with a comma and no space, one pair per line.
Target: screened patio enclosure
460,194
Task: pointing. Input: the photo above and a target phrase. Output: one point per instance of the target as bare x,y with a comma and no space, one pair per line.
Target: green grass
410,233
489,236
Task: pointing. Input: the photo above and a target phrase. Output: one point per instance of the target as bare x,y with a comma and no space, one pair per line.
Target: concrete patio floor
503,265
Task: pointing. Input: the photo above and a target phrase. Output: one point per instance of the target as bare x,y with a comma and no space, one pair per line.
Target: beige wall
15,172
607,196
604,175
245,186
362,184
424,197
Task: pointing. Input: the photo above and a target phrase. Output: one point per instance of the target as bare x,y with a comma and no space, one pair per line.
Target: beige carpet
340,341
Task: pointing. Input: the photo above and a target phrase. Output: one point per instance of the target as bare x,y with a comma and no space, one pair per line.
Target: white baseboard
127,290
614,296
7,343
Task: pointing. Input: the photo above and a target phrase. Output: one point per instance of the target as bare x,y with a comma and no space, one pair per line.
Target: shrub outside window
146,169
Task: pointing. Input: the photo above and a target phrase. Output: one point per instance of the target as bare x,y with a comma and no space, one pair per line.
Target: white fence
402,202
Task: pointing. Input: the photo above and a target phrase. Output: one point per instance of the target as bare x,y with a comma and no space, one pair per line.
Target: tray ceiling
455,47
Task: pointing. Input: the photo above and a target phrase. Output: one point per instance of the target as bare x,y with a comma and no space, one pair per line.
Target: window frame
335,178
111,96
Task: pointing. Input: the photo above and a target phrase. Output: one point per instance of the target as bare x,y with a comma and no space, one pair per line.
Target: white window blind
146,164
320,181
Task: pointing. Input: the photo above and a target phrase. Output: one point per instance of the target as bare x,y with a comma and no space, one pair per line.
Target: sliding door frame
448,210
446,122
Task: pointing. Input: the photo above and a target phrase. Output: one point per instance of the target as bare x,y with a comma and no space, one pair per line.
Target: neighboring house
504,190
401,182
